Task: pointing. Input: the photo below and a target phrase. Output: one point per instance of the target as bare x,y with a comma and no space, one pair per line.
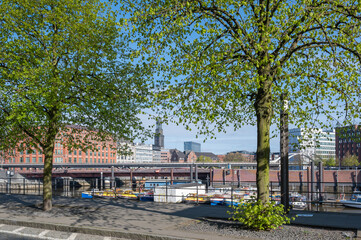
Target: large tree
64,62
229,61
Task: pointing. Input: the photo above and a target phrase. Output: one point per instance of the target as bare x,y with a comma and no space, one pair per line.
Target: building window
86,160
69,160
74,152
74,160
40,159
27,160
21,160
34,160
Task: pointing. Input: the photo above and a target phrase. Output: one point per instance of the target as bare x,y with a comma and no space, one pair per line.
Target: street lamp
9,174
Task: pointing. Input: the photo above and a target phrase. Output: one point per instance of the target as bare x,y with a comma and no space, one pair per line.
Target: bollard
191,173
112,185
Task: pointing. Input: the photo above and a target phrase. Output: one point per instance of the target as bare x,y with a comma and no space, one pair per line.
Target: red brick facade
104,153
348,141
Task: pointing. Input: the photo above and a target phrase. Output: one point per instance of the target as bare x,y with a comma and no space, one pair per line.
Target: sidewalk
135,219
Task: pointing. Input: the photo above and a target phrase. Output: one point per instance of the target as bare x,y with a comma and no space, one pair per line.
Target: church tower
159,137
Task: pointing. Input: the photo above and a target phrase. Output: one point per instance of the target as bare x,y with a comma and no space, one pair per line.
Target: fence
317,195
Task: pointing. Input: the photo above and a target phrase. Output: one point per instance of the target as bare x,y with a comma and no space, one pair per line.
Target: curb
91,231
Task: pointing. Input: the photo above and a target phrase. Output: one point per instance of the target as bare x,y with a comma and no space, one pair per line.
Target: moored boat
219,199
128,194
354,202
86,195
147,197
193,198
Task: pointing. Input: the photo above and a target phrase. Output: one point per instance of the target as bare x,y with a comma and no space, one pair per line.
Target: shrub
260,216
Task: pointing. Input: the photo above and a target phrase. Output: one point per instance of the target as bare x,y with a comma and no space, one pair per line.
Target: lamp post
285,198
9,174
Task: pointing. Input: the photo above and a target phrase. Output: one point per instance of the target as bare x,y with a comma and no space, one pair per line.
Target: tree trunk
48,167
263,109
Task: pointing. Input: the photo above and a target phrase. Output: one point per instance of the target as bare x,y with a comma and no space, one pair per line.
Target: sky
242,139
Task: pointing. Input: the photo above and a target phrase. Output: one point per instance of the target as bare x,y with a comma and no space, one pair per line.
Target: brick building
182,157
104,152
348,141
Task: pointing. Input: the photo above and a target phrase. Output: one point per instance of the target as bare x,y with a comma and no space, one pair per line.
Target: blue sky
242,139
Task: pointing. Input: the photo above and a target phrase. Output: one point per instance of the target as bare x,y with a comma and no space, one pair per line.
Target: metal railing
320,194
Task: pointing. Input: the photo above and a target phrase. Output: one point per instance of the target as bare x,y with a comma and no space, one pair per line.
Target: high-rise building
192,146
159,137
311,144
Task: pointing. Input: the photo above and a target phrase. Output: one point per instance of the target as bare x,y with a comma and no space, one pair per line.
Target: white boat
298,205
354,202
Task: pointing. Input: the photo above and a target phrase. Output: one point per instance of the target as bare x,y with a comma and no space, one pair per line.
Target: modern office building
143,153
308,145
348,140
192,146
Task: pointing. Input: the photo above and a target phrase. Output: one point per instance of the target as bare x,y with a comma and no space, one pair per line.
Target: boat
238,198
128,194
86,195
354,202
297,201
108,194
147,197
193,198
218,199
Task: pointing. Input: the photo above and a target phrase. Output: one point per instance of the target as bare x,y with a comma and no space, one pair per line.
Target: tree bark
48,167
263,109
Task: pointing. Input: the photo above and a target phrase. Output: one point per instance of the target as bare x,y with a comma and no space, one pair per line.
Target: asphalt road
14,236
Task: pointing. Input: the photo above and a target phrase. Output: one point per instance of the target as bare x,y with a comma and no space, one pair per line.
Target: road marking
305,215
18,229
72,236
43,233
1,225
107,238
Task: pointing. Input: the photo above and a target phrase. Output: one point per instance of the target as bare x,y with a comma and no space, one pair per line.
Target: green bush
260,216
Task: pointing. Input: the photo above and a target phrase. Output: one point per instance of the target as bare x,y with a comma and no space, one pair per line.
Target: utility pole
285,201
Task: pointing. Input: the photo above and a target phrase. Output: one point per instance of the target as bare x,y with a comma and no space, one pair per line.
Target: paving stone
88,237
32,231
9,228
57,234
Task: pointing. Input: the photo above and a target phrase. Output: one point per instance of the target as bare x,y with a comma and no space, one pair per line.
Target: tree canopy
228,62
65,62
235,157
350,160
204,159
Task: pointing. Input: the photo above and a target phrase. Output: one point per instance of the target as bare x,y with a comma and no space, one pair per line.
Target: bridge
230,165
